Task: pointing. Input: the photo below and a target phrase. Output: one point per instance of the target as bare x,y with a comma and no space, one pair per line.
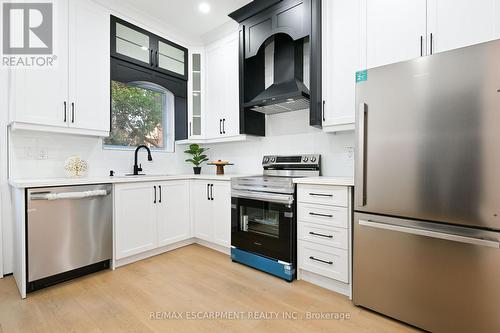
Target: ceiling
184,16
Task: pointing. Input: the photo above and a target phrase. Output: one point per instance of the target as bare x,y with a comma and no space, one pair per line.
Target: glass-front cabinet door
196,75
139,46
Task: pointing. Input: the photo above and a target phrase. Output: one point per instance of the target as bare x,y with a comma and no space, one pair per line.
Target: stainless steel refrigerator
427,203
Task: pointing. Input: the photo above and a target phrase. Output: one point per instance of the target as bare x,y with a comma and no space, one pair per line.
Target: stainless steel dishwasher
69,233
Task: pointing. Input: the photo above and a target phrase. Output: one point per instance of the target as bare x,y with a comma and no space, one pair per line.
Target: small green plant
197,152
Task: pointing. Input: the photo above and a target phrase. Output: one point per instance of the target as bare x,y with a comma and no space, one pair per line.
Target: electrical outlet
349,153
43,154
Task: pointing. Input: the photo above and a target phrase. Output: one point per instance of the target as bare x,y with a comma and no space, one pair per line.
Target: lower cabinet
323,235
173,218
150,215
211,202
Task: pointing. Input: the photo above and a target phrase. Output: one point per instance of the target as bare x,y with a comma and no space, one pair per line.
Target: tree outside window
141,114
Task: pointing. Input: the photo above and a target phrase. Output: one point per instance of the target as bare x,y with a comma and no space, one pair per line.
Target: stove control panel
291,161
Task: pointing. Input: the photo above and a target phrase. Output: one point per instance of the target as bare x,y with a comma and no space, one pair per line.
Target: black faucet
138,168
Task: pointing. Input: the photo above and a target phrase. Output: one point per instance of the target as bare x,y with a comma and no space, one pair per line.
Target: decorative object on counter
220,166
198,157
75,167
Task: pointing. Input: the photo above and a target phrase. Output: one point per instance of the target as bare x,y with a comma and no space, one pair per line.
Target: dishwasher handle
431,234
68,195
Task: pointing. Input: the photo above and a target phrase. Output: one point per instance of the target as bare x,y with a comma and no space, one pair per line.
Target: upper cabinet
141,47
222,113
399,30
68,97
341,59
395,30
458,23
292,18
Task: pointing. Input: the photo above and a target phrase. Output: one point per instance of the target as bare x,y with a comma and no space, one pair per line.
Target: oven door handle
286,199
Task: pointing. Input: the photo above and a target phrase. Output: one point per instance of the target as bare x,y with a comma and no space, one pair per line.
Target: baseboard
324,282
213,246
163,249
151,253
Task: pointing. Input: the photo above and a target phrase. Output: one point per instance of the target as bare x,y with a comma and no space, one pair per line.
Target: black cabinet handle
323,261
421,46
159,190
211,191
190,129
155,194
321,195
151,58
157,59
323,215
72,112
220,126
324,102
321,235
223,126
208,191
432,42
65,112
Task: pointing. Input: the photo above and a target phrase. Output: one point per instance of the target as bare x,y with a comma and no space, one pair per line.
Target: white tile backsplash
43,154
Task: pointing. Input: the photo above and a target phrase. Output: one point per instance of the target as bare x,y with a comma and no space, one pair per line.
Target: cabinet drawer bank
324,232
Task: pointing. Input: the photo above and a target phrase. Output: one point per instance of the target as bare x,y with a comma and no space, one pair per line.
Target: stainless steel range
264,225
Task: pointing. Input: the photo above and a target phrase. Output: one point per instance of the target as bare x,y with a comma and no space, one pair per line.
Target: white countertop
46,182
335,181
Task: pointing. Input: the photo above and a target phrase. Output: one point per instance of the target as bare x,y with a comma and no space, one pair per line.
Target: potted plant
198,157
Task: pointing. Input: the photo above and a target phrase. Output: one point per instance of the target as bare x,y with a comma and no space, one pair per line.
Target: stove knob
313,159
305,159
273,160
266,159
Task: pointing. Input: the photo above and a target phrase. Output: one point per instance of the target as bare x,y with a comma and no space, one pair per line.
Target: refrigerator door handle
430,233
361,169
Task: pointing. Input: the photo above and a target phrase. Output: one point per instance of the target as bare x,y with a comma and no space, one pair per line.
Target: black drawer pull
321,235
323,261
321,195
323,215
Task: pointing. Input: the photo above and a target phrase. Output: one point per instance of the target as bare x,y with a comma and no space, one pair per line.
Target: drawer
335,237
323,260
323,194
326,215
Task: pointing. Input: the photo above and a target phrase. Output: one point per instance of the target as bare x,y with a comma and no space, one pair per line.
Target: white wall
4,197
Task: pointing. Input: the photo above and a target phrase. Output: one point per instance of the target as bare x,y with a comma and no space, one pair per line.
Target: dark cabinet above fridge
281,39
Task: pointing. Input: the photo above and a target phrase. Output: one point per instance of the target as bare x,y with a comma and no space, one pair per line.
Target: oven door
264,227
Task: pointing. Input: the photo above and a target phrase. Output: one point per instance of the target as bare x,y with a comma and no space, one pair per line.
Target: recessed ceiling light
204,8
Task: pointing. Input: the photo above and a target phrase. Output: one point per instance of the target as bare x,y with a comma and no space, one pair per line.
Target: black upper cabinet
140,47
289,17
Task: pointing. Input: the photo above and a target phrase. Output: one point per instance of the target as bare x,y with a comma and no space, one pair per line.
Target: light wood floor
189,279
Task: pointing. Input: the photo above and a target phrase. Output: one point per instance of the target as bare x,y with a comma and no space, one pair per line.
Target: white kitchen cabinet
395,30
135,217
222,110
222,213
202,210
174,223
459,23
150,215
73,96
40,96
324,248
341,47
89,67
196,88
211,202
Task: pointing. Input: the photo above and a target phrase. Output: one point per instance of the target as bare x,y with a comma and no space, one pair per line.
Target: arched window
142,113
